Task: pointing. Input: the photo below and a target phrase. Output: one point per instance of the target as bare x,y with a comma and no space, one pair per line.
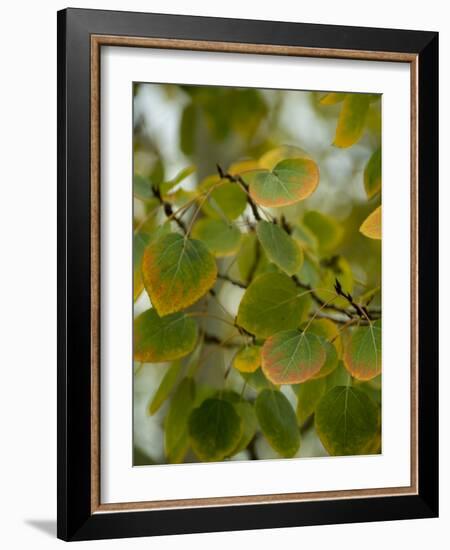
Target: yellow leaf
371,226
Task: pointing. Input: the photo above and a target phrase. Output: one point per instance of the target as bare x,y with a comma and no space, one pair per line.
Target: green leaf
371,227
247,359
165,388
372,174
291,181
177,272
272,303
327,230
247,257
226,201
292,356
362,351
280,248
249,425
352,119
305,237
142,187
176,438
140,241
308,396
339,377
159,339
278,422
220,237
214,429
346,421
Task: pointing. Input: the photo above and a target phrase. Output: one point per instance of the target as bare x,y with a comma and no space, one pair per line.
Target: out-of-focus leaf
270,304
177,272
214,429
336,267
372,174
166,186
291,181
160,339
327,230
332,98
371,226
352,120
226,201
305,237
249,422
247,359
292,356
280,248
247,256
176,438
221,238
362,351
166,386
271,158
278,422
238,168
140,241
308,396
142,187
257,380
346,421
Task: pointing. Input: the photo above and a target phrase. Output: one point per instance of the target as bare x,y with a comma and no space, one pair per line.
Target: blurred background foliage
181,133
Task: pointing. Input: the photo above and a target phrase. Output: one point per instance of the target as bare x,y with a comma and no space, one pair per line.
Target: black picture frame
75,518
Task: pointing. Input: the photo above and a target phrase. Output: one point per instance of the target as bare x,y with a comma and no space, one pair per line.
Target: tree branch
238,179
168,211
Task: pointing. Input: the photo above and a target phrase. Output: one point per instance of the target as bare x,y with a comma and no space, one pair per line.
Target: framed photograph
247,254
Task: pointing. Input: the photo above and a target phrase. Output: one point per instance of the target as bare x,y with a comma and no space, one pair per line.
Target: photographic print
257,274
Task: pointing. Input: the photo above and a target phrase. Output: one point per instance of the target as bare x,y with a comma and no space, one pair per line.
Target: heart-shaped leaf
352,119
176,438
362,351
291,181
177,272
220,237
347,421
272,303
226,201
247,359
214,429
292,356
248,419
280,248
160,339
371,227
372,174
278,422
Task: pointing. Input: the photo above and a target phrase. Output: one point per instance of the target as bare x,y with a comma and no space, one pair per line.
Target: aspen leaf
362,351
291,181
346,421
271,158
220,237
308,396
226,201
372,174
247,359
280,248
332,98
352,120
176,438
160,339
278,422
327,230
270,304
292,356
214,429
142,188
177,272
166,386
371,226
